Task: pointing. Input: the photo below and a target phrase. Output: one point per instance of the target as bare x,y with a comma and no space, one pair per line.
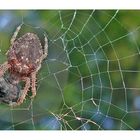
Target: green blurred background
91,77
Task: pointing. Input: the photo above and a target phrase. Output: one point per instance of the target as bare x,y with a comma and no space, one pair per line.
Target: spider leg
45,47
3,68
16,33
33,78
24,91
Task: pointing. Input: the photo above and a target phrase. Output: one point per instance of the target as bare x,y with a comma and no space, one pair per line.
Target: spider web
90,79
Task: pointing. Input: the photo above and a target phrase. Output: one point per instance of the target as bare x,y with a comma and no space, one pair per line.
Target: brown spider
24,60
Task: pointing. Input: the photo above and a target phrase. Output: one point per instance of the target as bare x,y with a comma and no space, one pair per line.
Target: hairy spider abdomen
25,54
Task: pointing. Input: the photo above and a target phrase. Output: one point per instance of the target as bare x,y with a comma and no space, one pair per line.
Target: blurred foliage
90,79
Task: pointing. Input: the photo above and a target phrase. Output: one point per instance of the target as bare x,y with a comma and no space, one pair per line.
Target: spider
24,59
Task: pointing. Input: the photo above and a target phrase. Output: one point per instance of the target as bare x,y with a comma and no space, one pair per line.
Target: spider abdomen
25,54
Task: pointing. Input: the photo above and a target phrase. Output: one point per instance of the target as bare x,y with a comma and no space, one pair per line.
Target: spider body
25,55
24,60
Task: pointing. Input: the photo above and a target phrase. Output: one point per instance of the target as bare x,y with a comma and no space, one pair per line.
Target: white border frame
69,135
70,4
